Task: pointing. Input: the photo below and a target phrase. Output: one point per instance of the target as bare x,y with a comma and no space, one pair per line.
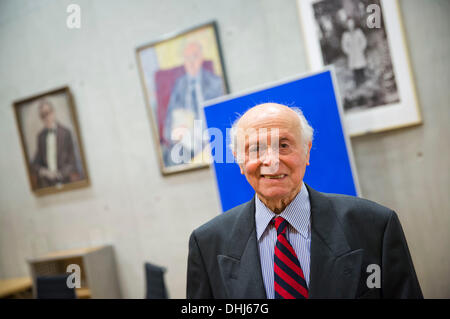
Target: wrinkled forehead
266,129
265,135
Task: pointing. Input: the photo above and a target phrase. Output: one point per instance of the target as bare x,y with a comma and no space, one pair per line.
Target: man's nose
270,160
269,155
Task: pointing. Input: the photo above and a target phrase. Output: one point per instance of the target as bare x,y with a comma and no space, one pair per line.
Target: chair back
54,287
156,288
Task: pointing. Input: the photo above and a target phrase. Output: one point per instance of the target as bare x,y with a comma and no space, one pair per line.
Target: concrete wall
148,217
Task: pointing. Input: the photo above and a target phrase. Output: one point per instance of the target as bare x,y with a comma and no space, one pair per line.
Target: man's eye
284,145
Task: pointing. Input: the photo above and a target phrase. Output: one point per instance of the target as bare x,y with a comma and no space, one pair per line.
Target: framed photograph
179,72
364,41
51,142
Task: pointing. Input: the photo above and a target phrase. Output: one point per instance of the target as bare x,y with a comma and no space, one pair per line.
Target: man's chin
274,196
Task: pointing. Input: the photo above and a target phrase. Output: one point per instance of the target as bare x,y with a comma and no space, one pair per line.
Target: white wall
148,217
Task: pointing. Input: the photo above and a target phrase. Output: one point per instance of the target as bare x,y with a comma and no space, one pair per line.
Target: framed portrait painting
51,143
179,72
364,41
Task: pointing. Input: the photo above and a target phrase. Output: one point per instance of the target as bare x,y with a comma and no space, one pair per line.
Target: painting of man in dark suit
54,161
51,142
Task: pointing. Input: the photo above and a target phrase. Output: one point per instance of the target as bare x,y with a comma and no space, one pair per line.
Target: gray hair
306,131
43,102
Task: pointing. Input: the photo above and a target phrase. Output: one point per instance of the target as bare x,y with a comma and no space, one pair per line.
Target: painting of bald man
51,142
179,73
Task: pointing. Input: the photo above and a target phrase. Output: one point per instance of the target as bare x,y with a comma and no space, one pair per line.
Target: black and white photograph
360,54
364,43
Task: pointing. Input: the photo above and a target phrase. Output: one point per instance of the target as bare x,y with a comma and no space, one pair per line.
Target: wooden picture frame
178,72
364,41
51,143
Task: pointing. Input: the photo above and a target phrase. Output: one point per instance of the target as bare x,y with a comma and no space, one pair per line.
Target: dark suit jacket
347,235
65,155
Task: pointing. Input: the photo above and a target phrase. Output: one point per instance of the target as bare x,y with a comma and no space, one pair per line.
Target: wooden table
15,287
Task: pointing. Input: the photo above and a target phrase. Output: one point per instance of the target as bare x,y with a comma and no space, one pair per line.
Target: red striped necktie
289,279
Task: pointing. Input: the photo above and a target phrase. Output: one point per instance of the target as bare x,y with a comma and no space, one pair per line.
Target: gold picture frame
51,142
166,67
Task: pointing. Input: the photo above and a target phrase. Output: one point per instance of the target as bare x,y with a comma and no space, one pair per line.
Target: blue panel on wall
330,168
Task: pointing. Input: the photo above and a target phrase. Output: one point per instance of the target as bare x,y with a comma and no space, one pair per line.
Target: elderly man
291,241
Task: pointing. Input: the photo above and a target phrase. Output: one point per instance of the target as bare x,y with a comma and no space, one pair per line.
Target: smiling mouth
274,176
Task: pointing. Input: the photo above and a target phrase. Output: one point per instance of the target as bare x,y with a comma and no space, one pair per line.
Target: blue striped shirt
297,214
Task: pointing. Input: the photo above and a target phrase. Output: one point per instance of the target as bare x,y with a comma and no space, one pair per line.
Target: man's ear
308,152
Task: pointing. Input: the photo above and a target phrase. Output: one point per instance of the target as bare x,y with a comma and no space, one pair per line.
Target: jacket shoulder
221,225
346,204
355,213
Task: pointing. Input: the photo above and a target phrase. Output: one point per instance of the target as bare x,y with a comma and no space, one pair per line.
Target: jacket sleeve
68,166
37,162
399,278
198,286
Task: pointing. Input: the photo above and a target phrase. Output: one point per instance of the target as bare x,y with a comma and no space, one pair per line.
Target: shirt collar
297,214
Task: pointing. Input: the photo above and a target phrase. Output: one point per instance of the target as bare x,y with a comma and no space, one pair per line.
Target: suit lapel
335,268
240,266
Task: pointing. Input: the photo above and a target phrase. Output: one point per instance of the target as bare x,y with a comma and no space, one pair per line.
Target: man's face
277,172
193,58
47,115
